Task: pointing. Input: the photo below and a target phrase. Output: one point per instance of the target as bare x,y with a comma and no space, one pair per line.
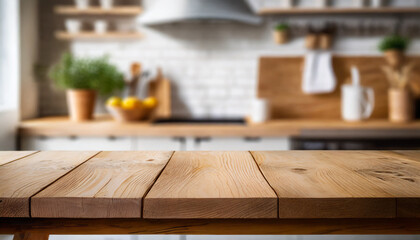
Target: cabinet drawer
242,144
77,144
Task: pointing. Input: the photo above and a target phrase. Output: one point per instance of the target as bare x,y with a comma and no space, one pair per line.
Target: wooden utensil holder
325,41
311,41
401,105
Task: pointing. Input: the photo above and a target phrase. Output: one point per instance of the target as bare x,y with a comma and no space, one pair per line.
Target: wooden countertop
103,126
211,185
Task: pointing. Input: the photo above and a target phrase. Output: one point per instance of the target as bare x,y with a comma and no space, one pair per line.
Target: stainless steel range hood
170,11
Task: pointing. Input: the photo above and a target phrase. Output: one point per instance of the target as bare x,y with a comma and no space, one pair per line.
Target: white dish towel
318,73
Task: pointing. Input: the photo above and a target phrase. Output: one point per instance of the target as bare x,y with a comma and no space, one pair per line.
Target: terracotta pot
401,105
395,58
325,41
281,37
81,104
311,41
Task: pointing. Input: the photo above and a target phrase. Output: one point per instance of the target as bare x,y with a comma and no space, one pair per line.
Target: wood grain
62,35
10,156
210,185
310,187
212,226
30,236
111,185
364,10
23,178
411,155
398,176
280,81
70,10
105,126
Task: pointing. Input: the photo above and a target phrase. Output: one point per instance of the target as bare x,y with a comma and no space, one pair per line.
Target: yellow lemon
150,102
114,102
131,103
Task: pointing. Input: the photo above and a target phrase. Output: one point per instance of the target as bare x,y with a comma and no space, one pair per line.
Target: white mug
82,4
357,102
73,25
260,111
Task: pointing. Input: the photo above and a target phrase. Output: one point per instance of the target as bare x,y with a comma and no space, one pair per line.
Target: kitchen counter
104,126
258,192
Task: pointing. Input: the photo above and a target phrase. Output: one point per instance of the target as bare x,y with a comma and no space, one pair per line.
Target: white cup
260,110
100,26
357,102
82,4
106,4
321,3
359,3
73,25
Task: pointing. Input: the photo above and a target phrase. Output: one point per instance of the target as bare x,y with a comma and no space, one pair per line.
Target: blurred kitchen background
211,75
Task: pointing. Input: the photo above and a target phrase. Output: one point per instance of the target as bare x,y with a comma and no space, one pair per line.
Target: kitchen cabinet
77,144
158,144
242,144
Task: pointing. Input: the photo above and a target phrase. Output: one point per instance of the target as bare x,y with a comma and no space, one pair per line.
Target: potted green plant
83,78
394,47
281,33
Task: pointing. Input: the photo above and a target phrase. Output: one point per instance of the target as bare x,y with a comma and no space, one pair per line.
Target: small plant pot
100,26
325,41
73,25
311,41
81,104
401,105
106,4
281,37
82,4
395,58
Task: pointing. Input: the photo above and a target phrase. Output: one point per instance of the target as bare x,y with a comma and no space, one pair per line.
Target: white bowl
73,25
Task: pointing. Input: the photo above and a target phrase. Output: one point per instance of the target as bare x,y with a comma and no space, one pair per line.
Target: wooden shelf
331,10
70,10
62,35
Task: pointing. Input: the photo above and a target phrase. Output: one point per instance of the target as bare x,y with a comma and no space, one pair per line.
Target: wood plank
412,155
104,126
308,186
212,226
396,175
384,10
62,35
10,156
111,185
30,236
211,185
22,179
125,10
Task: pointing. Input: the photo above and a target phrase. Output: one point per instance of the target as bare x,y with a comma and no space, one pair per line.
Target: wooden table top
105,127
210,185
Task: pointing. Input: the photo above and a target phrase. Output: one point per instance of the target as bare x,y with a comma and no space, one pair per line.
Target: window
9,54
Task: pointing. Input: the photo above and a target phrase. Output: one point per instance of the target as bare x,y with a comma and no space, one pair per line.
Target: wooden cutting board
160,88
280,81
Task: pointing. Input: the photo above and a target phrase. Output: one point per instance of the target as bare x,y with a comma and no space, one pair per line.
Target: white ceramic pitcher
357,102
